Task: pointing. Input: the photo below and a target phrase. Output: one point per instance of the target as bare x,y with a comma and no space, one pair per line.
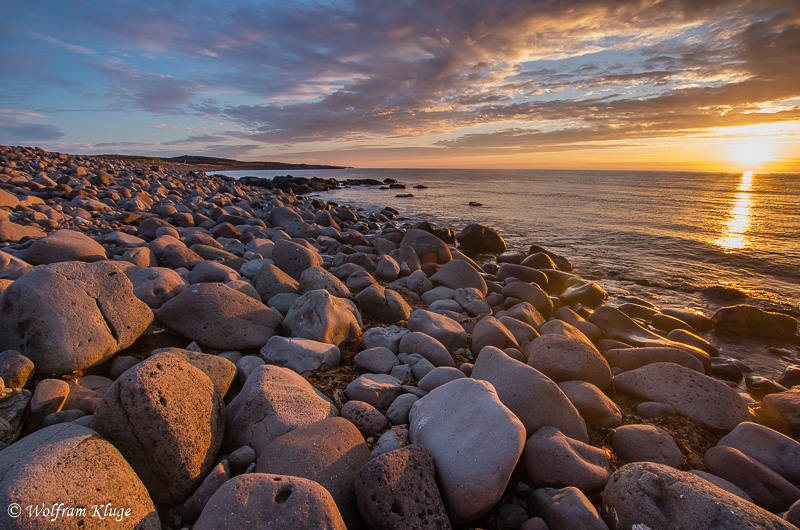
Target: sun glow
737,223
752,152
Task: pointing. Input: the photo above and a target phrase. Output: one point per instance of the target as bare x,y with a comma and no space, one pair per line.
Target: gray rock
156,285
646,443
286,502
524,312
425,345
477,238
12,407
521,331
293,258
319,316
376,360
429,248
271,281
594,406
211,271
272,402
552,459
64,245
750,321
194,505
618,326
398,411
568,358
300,355
16,370
379,390
241,459
533,397
438,377
393,439
531,293
318,278
219,317
365,417
471,300
693,395
566,508
398,490
781,411
633,358
418,282
659,496
458,274
388,337
71,316
475,442
438,293
387,269
90,471
722,483
491,332
769,447
169,436
445,330
384,304
652,409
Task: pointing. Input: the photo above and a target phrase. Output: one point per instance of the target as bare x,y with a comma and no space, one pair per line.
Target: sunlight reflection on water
735,227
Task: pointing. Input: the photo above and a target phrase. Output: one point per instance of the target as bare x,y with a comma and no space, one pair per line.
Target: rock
767,489
722,483
286,502
16,370
418,282
750,321
693,395
522,331
475,442
690,339
211,271
318,278
49,397
221,371
471,301
319,316
293,258
64,245
533,397
330,452
633,358
646,443
594,406
475,238
398,490
652,409
522,273
388,337
790,376
379,390
491,332
170,436
300,355
427,346
428,248
272,402
531,293
156,285
782,412
90,472
658,496
441,328
12,407
171,252
771,448
387,269
552,459
194,505
524,312
12,232
241,459
393,439
384,304
438,377
71,316
568,358
219,317
399,410
11,267
271,281
365,417
618,326
566,508
694,318
377,360
457,274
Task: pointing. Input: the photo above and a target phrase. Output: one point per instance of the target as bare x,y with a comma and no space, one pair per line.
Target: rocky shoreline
183,350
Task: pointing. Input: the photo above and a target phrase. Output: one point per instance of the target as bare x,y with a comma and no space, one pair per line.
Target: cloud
195,140
156,93
15,128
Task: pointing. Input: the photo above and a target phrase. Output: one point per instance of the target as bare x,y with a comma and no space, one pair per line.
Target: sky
583,84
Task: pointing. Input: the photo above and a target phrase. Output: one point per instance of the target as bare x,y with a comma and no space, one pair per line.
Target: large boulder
693,395
651,495
776,451
568,357
750,321
428,247
156,285
318,278
475,442
293,258
272,402
398,490
330,452
219,317
67,466
457,274
64,245
552,459
259,500
320,316
71,316
270,281
384,304
166,418
445,330
781,411
478,238
533,397
10,231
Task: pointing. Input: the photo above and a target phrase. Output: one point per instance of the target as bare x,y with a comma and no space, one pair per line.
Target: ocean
663,236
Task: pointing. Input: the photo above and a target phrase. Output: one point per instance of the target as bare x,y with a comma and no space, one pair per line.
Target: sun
752,152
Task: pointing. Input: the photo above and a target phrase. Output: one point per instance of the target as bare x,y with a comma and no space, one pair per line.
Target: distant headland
209,163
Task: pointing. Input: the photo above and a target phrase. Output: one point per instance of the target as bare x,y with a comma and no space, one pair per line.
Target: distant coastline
208,163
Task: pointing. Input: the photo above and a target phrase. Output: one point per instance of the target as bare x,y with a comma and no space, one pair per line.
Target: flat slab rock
693,395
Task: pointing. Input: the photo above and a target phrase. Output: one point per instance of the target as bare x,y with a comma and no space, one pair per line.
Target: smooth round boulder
491,332
457,274
156,285
384,304
445,330
274,501
71,316
212,271
219,317
475,442
427,346
71,464
751,321
773,449
376,360
568,358
272,402
566,508
476,238
646,443
367,419
781,411
552,459
169,435
300,355
320,316
271,281
293,258
594,406
64,245
428,247
318,278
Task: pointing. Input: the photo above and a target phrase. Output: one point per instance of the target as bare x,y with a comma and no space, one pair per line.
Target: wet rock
523,274
71,316
300,355
330,452
587,294
646,443
169,436
398,490
750,321
475,238
533,397
219,317
288,502
552,459
89,471
319,316
693,395
690,339
617,325
659,496
475,442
